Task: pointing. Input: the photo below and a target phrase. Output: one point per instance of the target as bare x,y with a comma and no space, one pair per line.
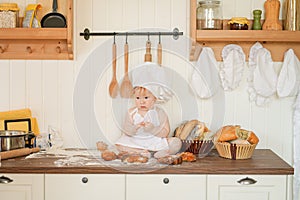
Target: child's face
144,99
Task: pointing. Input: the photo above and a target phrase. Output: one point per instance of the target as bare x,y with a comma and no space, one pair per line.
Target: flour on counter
86,157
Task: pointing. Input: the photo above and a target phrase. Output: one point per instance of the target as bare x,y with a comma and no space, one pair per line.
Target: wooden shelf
39,43
30,33
277,42
247,35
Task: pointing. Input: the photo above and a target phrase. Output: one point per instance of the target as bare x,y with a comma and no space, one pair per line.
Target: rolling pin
18,152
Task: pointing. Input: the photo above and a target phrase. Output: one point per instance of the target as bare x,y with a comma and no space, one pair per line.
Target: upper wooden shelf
277,42
39,43
33,33
247,35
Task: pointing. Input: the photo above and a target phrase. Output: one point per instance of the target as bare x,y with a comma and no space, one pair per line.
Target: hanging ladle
126,86
113,86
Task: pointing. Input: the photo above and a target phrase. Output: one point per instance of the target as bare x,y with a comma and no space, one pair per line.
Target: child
146,128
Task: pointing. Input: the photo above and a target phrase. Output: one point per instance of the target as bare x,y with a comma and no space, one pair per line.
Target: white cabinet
162,187
79,186
227,187
22,187
143,187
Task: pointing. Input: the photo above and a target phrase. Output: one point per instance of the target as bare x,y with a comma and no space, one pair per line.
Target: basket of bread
196,138
233,142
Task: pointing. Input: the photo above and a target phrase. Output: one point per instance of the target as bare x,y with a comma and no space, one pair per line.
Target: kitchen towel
18,120
231,70
154,78
23,124
205,78
262,80
289,76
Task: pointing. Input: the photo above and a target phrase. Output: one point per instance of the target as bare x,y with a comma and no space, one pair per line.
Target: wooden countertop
263,161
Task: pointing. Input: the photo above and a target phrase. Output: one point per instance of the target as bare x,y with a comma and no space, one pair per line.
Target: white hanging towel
262,80
289,76
231,71
205,76
296,188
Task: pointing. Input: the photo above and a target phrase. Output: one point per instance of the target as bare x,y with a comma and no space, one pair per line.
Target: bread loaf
191,130
186,130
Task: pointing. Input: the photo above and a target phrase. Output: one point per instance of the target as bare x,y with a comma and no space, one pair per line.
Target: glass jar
209,15
9,15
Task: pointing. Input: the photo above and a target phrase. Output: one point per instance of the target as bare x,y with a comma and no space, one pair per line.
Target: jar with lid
209,15
9,15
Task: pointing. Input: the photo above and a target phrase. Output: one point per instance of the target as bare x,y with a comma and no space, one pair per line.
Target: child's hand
140,125
148,126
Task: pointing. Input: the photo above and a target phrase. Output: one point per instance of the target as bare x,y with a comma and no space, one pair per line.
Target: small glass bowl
237,26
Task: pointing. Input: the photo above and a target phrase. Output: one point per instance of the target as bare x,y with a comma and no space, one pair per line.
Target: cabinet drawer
22,187
236,187
79,186
162,187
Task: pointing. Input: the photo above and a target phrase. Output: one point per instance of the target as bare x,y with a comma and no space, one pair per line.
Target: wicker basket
235,151
201,148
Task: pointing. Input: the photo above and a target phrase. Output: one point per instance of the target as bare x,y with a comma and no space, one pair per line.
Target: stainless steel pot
15,139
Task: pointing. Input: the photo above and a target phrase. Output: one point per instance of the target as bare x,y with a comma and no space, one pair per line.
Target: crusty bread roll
228,133
101,146
108,155
232,133
252,138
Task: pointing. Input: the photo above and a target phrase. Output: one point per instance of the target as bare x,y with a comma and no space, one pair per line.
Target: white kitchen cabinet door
162,187
22,187
227,187
89,186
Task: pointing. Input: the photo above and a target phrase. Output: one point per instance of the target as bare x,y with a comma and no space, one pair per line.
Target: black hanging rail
86,33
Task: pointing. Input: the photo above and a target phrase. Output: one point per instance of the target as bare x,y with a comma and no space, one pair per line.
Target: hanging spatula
114,86
126,86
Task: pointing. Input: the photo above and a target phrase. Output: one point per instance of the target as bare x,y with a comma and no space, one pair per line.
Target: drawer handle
84,179
5,180
166,180
247,181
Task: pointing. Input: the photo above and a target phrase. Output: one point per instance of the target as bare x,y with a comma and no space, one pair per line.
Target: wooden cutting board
47,7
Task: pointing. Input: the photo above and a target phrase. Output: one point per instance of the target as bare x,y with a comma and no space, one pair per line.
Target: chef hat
205,79
289,76
231,71
154,78
262,77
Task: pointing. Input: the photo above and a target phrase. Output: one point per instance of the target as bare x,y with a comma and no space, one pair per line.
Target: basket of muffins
196,138
235,143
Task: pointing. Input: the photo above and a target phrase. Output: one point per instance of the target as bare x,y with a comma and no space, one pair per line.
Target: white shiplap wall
47,86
